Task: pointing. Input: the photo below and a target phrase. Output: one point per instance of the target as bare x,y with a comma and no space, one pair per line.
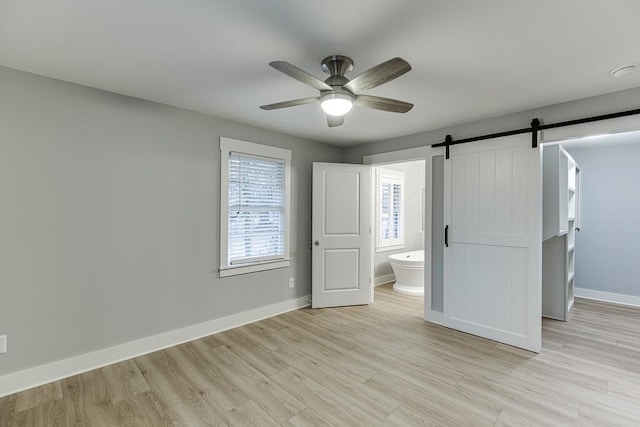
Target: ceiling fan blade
384,104
334,121
380,74
292,103
300,75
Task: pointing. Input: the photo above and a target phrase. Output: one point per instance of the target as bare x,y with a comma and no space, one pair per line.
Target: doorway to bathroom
398,228
398,223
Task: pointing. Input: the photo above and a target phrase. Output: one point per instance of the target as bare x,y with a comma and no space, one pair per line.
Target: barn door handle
446,236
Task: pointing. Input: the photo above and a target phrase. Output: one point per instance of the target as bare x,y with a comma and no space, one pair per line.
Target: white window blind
390,213
391,226
256,223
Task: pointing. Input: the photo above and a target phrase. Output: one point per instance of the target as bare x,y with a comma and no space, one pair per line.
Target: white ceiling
471,59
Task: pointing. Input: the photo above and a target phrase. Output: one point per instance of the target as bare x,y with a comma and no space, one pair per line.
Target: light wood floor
361,366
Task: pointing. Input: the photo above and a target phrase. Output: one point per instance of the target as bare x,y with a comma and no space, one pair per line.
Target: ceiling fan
338,94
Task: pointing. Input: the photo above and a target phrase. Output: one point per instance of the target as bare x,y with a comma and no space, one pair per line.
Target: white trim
234,270
388,248
238,146
44,374
434,317
422,205
381,280
372,231
228,145
623,299
418,153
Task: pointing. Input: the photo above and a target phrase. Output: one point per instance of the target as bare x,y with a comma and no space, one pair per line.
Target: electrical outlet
292,282
3,343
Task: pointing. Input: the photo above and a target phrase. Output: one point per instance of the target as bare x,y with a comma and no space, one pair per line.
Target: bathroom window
255,195
390,210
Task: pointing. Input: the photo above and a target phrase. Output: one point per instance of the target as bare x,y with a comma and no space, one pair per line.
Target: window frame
227,146
391,177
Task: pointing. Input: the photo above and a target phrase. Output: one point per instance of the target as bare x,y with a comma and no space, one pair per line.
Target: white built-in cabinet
561,213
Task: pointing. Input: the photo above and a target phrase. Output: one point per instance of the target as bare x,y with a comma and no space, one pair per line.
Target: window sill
234,270
389,248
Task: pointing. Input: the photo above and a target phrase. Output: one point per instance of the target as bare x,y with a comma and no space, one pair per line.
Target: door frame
398,156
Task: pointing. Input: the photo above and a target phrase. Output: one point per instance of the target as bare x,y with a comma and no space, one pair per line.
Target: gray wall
437,234
608,245
413,236
618,101
109,219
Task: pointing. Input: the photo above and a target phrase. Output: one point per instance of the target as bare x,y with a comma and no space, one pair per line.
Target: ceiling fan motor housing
337,65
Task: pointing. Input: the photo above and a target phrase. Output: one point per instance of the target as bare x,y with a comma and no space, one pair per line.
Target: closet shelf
561,213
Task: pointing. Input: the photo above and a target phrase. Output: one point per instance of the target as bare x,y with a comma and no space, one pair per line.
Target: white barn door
341,268
492,277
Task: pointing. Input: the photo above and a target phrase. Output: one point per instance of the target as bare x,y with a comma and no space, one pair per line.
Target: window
254,208
390,210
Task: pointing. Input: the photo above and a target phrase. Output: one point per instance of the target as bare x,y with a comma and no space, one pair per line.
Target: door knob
316,243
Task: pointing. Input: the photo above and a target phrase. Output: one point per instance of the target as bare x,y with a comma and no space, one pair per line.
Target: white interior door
492,277
341,235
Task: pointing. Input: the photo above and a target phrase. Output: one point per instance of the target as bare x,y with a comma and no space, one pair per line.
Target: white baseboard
434,317
381,280
44,374
608,297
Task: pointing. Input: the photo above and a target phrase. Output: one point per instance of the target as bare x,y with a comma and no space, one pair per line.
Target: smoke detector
623,71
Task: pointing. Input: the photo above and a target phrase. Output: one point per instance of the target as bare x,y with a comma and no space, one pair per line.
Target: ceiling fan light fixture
336,104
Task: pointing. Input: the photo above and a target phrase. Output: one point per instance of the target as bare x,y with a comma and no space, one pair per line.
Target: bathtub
408,268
